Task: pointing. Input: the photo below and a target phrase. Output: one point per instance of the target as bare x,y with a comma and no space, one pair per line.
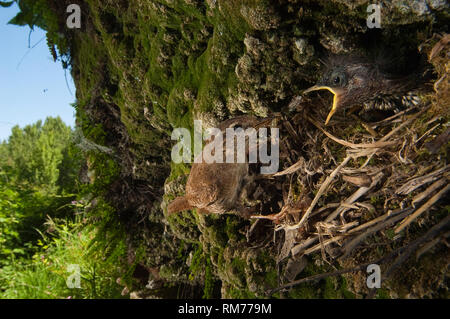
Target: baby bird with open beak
356,80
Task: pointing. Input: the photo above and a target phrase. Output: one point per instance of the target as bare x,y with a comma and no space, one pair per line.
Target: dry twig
417,182
355,196
436,185
322,189
378,144
411,247
422,209
348,248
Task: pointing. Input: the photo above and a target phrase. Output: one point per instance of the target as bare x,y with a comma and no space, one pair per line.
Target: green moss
197,262
305,291
329,288
390,233
209,282
376,200
238,270
184,224
271,279
382,294
233,223
201,269
236,293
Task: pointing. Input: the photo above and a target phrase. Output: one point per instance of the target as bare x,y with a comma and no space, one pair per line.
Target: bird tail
178,204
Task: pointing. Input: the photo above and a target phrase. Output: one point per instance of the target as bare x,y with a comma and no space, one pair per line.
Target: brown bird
357,80
218,187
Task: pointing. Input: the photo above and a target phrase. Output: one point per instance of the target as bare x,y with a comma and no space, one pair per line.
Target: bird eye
337,80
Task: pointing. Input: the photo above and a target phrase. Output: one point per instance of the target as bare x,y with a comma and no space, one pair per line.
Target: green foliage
46,224
6,4
38,170
10,217
65,243
31,13
22,211
39,154
38,13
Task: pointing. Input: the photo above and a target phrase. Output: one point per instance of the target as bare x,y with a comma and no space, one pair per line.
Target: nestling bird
218,187
357,80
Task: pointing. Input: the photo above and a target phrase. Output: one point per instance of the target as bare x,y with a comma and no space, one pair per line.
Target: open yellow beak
336,96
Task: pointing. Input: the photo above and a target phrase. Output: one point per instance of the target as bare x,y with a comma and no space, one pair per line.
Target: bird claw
273,217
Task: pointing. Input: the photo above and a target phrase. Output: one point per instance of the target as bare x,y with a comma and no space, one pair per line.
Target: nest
351,181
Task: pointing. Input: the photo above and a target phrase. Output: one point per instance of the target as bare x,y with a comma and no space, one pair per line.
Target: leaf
20,19
6,4
18,251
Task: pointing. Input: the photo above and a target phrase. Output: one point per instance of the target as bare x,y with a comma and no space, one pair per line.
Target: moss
184,224
376,200
303,292
197,262
329,288
382,294
271,279
236,293
237,270
233,223
336,288
209,281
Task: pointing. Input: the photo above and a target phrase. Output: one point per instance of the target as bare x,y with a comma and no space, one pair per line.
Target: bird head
347,78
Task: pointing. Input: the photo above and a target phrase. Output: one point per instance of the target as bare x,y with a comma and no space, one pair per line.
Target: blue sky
34,89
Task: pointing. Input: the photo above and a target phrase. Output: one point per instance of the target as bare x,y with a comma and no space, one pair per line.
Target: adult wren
219,188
